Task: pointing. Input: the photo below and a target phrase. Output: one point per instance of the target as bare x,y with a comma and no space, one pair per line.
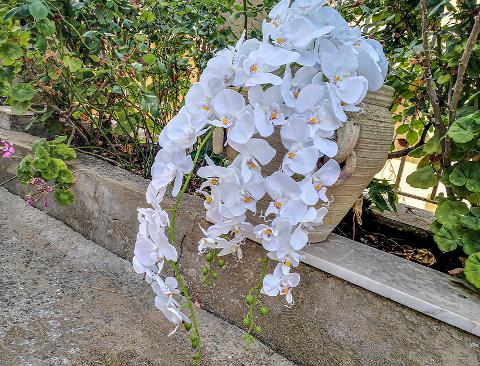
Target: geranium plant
301,79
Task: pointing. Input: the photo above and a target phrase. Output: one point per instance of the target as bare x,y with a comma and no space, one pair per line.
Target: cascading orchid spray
335,67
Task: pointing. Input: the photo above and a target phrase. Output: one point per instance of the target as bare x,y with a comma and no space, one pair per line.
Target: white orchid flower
213,205
239,195
328,16
155,196
287,257
344,85
211,240
149,252
300,159
233,114
287,199
232,246
254,70
370,65
292,87
170,164
171,311
199,98
182,130
315,186
265,232
214,175
220,67
269,109
253,154
280,283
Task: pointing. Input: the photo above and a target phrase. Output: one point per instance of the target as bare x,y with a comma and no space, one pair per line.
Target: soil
410,246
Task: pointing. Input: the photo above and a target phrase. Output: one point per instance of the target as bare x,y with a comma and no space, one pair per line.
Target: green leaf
432,146
20,107
74,64
11,51
449,213
63,152
472,269
443,79
64,197
423,178
46,27
22,92
472,219
149,58
24,169
467,174
448,239
51,172
65,176
435,226
471,242
411,137
464,129
403,129
38,10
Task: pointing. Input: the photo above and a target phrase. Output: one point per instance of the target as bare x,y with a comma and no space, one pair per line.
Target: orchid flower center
318,187
206,107
268,232
209,199
291,154
253,69
337,78
280,40
296,92
312,120
288,263
285,291
227,120
278,204
357,44
214,181
247,199
251,164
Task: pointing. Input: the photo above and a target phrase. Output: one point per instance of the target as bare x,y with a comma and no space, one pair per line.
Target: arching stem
176,270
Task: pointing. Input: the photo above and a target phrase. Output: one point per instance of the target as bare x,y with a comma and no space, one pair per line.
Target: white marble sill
433,293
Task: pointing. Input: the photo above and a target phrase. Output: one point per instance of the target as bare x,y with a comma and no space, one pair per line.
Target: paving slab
65,300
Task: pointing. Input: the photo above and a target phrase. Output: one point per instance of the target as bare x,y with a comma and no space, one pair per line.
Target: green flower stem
8,181
256,295
176,270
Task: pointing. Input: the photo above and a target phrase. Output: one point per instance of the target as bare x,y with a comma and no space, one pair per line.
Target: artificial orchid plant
307,72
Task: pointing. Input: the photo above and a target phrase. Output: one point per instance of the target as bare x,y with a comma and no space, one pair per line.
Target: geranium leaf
467,174
448,239
423,178
472,220
472,269
471,242
22,92
450,212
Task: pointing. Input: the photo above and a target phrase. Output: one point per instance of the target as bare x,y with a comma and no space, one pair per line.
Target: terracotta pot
363,142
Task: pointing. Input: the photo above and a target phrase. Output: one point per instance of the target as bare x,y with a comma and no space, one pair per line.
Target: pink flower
6,149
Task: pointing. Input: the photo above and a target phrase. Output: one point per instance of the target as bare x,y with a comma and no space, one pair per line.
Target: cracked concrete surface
66,301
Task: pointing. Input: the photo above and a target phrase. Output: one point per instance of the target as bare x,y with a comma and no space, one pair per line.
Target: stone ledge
332,322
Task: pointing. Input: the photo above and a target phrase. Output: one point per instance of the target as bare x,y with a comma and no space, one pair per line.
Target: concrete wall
332,323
